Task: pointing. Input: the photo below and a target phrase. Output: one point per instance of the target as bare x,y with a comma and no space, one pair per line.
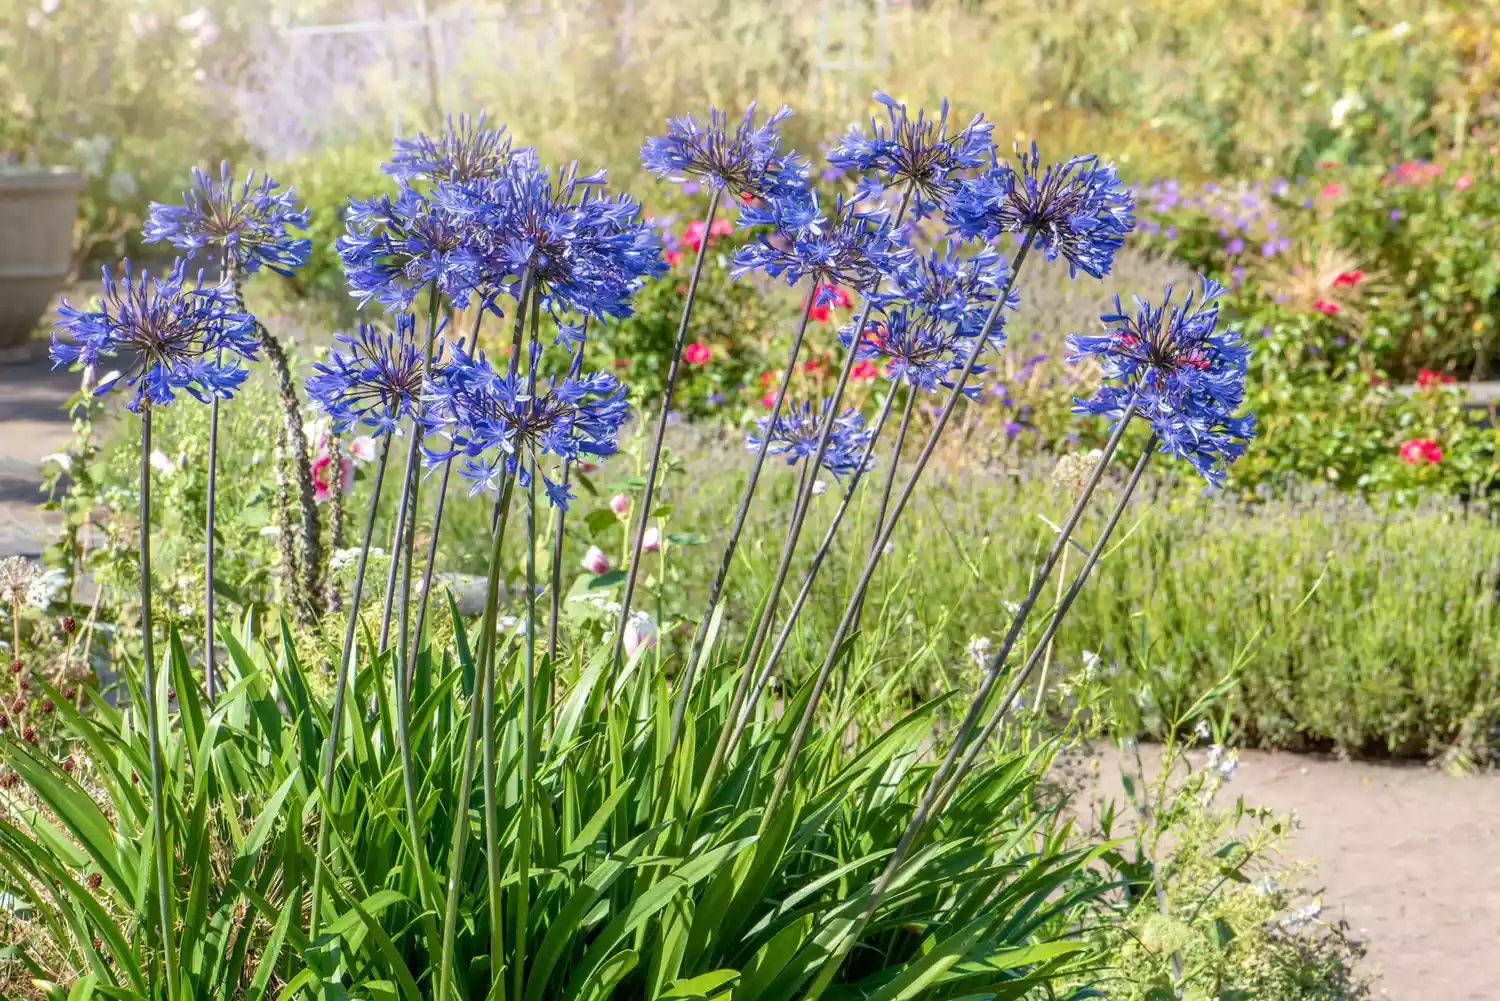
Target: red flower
813,365
620,362
1332,190
1427,377
693,235
1421,452
1324,306
1349,278
769,400
747,197
673,257
864,372
766,378
697,354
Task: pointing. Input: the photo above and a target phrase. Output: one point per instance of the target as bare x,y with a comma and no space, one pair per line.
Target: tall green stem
661,429
933,798
340,691
153,722
835,646
528,748
679,708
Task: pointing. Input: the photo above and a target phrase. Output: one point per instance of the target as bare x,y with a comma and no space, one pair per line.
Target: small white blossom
979,650
819,488
1202,730
1224,761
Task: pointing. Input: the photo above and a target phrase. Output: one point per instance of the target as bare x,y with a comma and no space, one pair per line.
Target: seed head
69,625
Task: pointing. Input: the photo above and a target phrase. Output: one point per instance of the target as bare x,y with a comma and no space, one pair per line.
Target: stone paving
32,426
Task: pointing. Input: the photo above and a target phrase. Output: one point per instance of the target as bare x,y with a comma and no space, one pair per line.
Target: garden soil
1407,855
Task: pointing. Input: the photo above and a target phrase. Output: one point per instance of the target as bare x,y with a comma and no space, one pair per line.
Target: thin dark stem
835,646
890,473
340,690
432,544
210,675
153,721
528,748
556,589
807,583
932,799
679,708
661,431
393,572
491,775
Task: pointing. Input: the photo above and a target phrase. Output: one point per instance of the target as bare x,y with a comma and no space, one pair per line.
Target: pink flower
697,354
769,400
673,257
1332,190
322,474
588,467
651,541
693,235
620,504
595,562
864,372
1349,278
362,449
640,633
1427,377
1421,452
1324,306
1463,182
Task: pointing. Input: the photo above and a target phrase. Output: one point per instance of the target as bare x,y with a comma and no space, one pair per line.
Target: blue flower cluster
252,223
852,249
500,423
586,252
916,151
395,247
377,381
795,433
1078,210
466,151
162,333
747,161
1186,378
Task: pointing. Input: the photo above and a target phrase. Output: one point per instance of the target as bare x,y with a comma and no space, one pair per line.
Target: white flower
163,465
1400,29
508,623
1224,761
595,562
1341,108
640,633
1010,606
620,505
1298,919
343,558
651,540
1202,730
890,547
819,488
63,459
1091,661
979,650
317,432
270,532
362,448
42,590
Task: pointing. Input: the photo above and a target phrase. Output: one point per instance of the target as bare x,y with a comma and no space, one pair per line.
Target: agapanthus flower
748,160
587,253
796,431
1078,210
849,249
957,290
466,151
396,247
166,336
1186,378
251,222
921,349
375,380
500,426
916,151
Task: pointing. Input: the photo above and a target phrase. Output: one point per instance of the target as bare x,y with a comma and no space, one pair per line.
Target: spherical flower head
748,160
1187,379
251,222
956,289
795,434
921,349
466,151
916,151
587,253
1078,210
396,247
849,249
375,379
165,335
499,426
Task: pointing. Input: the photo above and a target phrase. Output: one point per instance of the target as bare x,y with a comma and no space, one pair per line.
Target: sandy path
1408,855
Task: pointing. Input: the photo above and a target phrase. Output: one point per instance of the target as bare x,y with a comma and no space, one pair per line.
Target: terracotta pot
37,210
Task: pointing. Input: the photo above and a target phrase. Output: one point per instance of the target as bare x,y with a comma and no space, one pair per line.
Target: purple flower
747,160
467,151
375,379
1186,379
252,224
1078,209
163,334
851,249
796,431
916,151
395,247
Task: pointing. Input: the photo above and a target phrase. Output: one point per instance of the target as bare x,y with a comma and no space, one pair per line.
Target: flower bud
620,505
